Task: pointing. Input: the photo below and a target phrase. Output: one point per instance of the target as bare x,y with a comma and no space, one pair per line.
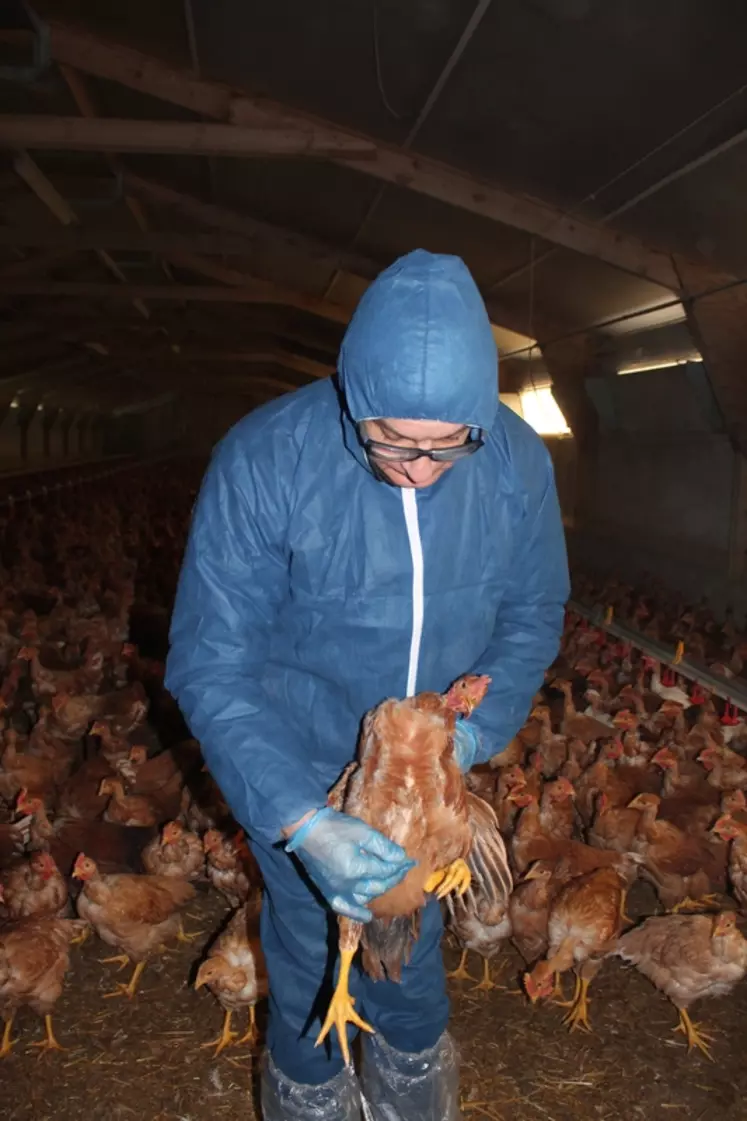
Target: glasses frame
395,454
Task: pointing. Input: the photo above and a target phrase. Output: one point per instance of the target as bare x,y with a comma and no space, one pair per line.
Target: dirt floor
142,1060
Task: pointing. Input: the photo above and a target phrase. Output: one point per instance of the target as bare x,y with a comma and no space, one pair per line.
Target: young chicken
126,809
480,918
235,972
688,957
34,886
586,918
231,868
730,829
177,853
136,914
34,958
406,784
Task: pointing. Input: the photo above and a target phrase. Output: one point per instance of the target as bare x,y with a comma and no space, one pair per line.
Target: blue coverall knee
299,939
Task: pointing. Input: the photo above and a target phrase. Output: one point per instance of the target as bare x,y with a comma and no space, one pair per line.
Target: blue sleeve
529,623
233,583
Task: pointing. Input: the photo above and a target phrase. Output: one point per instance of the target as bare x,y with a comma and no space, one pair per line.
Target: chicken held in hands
688,957
235,972
135,914
408,786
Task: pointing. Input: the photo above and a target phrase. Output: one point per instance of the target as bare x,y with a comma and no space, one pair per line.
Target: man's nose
421,470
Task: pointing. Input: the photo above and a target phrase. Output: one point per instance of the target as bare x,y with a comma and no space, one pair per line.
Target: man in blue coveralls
374,536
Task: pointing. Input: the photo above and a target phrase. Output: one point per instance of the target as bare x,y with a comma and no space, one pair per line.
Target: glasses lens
392,454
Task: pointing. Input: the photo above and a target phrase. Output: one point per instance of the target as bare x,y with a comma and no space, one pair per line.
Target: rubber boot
283,1100
401,1086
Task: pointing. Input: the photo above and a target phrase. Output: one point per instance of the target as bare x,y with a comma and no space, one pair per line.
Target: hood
420,346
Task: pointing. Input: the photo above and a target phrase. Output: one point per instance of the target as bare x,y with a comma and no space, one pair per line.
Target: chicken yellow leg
460,973
694,1037
341,1011
130,989
455,877
486,984
226,1037
250,1035
49,1043
7,1043
702,904
578,1017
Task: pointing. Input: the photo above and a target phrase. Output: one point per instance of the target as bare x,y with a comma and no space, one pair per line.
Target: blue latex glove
466,744
349,862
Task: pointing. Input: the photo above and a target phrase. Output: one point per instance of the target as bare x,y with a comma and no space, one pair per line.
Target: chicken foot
49,1043
129,989
182,936
694,1037
578,1016
226,1037
250,1035
702,904
341,1011
7,1043
460,973
454,877
486,984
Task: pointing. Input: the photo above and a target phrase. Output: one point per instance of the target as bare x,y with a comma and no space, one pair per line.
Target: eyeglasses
391,453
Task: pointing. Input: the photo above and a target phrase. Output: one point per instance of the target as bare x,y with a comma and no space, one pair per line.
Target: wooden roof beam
35,179
115,62
172,138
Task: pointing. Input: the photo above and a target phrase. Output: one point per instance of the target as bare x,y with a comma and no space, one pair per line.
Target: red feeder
731,715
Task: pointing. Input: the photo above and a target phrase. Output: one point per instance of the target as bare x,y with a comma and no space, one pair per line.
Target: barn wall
663,495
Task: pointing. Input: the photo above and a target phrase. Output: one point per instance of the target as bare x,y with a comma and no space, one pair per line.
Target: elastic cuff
300,835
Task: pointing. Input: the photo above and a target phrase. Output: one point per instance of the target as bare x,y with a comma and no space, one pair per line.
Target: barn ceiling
194,195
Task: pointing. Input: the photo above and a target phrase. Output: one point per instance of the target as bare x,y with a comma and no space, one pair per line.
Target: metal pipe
722,687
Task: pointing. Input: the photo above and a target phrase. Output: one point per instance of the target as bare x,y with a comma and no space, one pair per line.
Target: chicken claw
694,1037
182,936
341,1011
119,959
49,1043
486,984
460,973
455,877
226,1037
130,989
688,904
578,1017
250,1035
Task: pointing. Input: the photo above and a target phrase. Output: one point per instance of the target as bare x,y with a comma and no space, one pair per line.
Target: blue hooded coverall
311,590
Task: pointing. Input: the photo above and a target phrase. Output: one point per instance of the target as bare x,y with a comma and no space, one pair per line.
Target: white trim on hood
410,506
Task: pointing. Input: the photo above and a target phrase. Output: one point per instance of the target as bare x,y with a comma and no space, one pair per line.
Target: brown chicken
231,868
730,829
586,918
177,853
688,957
479,918
407,785
235,972
135,914
682,868
34,958
33,886
540,826
126,809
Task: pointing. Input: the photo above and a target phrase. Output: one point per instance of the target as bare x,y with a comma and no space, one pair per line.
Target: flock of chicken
645,784
98,819
109,822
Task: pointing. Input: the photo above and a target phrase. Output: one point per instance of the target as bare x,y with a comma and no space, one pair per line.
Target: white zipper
410,506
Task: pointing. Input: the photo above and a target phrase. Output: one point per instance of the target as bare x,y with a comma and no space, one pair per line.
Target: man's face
427,435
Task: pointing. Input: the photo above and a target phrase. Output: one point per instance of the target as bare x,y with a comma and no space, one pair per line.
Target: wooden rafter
154,77
172,138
